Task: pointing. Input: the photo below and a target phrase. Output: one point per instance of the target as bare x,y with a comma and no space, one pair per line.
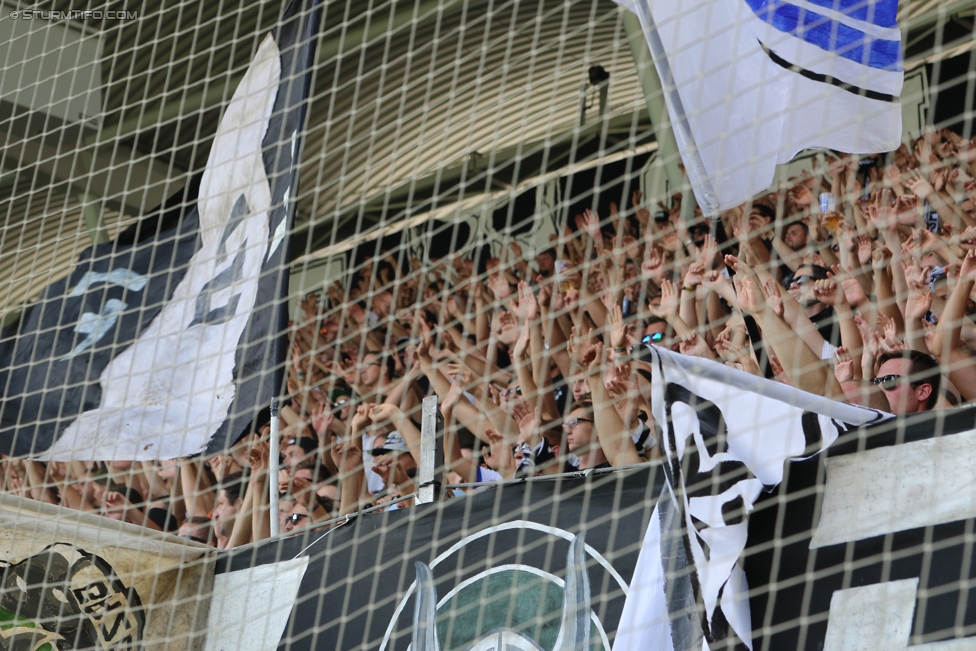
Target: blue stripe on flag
829,35
883,13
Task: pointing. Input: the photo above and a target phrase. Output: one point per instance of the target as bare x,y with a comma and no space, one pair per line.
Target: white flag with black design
750,83
725,436
168,341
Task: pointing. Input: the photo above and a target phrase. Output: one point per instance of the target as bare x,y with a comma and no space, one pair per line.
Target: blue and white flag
169,340
750,83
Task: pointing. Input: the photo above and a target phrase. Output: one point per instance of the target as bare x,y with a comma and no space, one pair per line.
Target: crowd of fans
854,282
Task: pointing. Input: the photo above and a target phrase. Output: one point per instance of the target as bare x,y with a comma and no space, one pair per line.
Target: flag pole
273,469
428,451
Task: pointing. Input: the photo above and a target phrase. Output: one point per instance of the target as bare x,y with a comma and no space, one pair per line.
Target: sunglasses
295,518
194,539
889,382
652,338
800,281
573,422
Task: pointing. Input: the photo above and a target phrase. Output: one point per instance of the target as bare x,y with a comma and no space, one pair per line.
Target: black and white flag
725,436
165,342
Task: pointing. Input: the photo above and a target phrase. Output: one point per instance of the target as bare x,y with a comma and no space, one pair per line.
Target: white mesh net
442,236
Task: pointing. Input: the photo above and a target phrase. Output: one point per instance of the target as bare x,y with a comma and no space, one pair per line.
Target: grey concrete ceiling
415,104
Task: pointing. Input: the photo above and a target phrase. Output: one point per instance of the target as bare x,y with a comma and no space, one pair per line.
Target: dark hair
582,403
319,470
923,369
234,485
764,210
327,503
386,360
818,272
553,433
309,446
801,224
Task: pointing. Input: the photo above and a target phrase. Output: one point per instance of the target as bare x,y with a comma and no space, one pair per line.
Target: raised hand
589,222
774,296
864,248
544,299
641,213
528,307
738,356
670,301
919,301
322,418
801,195
750,295
882,212
968,269
708,253
919,185
692,344
347,454
715,280
826,292
300,488
527,418
694,275
426,343
571,299
581,346
258,457
653,266
843,365
880,258
618,330
383,413
361,419
450,401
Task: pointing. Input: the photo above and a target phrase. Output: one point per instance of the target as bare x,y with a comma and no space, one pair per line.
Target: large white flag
168,341
749,83
725,436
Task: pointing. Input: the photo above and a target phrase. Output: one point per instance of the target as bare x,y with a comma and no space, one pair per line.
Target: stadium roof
416,105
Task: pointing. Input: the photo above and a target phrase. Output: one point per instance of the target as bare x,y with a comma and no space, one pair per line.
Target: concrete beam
119,177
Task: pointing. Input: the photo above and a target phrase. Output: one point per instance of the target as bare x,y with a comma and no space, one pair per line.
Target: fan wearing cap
295,450
396,459
391,457
392,461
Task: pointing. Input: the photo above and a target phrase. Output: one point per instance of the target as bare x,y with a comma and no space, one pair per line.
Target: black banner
502,553
499,562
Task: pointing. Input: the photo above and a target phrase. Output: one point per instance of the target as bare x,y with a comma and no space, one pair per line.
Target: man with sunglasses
909,380
299,518
655,332
801,286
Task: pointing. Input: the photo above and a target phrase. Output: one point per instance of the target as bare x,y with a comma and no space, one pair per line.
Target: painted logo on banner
66,598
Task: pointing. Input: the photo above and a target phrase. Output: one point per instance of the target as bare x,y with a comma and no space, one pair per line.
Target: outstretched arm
805,369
